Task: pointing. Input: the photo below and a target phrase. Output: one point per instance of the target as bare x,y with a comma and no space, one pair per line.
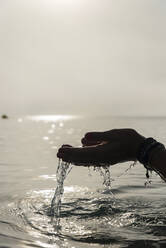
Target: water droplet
54,147
51,131
20,120
53,125
61,124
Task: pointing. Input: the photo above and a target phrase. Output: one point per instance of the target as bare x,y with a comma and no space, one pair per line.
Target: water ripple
95,220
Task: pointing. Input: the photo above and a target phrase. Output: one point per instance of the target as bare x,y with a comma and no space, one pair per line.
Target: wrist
156,162
139,139
148,150
155,158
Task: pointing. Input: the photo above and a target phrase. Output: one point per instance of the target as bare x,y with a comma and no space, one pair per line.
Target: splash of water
106,175
63,170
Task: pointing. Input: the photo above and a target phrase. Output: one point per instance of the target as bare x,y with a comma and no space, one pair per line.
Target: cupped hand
110,147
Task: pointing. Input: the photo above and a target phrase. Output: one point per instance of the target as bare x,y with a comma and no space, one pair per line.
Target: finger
86,142
98,136
72,151
94,155
66,145
81,155
109,136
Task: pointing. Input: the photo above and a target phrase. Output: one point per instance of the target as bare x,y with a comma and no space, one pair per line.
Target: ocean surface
129,215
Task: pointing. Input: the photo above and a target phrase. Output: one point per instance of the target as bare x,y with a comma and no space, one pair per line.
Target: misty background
83,57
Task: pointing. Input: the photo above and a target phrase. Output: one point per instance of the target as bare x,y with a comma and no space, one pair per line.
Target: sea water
127,215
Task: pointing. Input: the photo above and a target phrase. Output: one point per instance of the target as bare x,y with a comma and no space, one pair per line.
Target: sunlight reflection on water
52,177
52,118
76,189
45,245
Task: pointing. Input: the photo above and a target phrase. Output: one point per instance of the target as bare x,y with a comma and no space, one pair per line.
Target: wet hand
110,147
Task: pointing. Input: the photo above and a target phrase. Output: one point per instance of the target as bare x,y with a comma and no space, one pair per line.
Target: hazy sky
83,56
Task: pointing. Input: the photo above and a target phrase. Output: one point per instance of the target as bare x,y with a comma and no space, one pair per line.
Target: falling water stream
63,170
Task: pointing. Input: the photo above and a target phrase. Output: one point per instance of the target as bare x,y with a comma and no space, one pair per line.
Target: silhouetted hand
110,147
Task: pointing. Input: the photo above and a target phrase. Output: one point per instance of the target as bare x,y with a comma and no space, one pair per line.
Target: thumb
98,136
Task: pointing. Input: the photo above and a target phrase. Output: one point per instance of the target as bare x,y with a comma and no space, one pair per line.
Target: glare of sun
51,118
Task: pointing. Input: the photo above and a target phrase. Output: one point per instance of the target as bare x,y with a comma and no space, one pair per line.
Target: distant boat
4,116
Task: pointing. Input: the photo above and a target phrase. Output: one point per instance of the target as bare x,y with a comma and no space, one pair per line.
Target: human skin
157,161
112,147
